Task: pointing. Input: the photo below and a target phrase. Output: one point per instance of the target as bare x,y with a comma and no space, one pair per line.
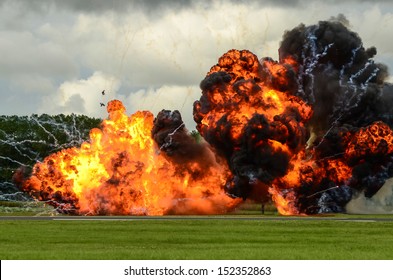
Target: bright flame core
122,171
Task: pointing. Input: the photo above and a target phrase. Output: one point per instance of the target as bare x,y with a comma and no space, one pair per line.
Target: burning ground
311,130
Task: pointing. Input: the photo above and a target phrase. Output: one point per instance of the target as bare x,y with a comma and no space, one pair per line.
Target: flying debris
102,104
312,131
103,92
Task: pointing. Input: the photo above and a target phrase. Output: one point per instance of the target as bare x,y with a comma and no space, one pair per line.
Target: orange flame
260,88
376,139
284,202
121,171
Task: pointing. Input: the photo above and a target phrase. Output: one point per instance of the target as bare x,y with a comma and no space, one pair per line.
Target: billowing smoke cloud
174,140
325,90
337,75
380,203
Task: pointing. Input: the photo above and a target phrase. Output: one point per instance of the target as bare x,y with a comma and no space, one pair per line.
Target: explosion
311,131
121,171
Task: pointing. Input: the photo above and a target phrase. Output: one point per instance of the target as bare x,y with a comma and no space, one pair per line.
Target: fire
270,120
374,140
122,171
262,126
284,201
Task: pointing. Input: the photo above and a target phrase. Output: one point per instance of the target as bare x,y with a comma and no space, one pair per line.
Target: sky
57,56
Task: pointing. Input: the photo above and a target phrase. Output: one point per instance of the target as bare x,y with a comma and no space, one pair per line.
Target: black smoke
347,91
180,146
335,75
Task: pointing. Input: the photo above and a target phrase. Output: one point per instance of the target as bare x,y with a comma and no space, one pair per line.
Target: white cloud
168,97
83,96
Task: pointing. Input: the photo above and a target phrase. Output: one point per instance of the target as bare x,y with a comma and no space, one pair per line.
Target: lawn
238,238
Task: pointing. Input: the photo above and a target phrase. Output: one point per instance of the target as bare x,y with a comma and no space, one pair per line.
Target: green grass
196,239
38,208
24,208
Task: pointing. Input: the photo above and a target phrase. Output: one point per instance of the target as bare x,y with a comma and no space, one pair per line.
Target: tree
26,140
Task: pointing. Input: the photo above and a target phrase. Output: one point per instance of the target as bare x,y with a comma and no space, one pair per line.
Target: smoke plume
313,128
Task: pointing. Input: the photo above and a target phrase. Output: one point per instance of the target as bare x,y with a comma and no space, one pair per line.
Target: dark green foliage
195,134
26,140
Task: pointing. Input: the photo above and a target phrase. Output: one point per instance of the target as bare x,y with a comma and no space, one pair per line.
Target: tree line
25,140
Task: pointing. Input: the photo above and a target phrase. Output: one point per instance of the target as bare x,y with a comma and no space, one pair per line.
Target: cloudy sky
56,56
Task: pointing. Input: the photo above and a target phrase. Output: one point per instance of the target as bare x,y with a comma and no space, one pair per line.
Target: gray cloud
152,6
52,50
75,104
97,6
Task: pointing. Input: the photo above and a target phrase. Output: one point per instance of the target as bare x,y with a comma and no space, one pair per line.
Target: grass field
197,239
